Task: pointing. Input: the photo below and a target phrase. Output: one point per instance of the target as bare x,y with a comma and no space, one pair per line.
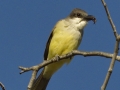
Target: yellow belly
62,43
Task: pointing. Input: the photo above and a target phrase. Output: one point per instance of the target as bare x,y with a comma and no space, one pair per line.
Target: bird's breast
64,41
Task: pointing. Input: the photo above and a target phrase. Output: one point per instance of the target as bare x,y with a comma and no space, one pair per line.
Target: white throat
78,23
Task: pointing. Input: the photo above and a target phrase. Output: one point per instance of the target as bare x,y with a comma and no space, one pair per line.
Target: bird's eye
78,14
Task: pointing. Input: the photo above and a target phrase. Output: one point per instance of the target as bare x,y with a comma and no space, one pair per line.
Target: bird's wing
51,36
47,46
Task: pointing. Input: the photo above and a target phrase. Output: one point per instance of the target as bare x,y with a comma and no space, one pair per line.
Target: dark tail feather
40,83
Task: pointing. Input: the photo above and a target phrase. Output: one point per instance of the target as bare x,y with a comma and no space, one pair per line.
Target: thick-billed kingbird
65,37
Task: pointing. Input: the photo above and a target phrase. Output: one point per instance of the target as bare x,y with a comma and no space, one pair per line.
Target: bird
65,37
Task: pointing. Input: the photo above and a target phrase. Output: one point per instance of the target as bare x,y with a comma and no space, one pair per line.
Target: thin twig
2,86
36,68
116,48
110,19
32,80
111,67
73,53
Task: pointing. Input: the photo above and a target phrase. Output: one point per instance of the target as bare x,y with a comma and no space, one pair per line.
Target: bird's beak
90,17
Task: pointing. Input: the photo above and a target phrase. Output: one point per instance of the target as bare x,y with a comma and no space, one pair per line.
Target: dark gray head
78,13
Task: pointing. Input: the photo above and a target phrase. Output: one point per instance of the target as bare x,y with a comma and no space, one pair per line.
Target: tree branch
110,19
116,47
111,67
2,86
36,68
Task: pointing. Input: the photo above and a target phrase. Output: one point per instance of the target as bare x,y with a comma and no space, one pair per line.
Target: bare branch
111,67
116,48
109,18
32,80
73,53
2,86
58,58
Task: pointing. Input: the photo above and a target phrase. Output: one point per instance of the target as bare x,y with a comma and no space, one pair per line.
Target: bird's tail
40,83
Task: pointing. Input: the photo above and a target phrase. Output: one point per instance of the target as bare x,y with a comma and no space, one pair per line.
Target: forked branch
36,68
117,37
